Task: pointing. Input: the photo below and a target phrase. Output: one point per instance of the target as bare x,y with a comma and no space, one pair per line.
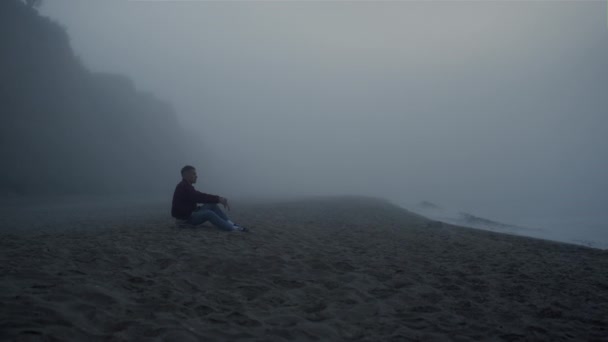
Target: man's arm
206,198
201,197
224,202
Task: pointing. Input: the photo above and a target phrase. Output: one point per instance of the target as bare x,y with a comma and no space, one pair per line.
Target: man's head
189,174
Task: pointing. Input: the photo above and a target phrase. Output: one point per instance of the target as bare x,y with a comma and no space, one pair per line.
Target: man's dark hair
187,168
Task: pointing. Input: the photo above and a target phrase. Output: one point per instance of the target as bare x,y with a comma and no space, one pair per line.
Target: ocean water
590,231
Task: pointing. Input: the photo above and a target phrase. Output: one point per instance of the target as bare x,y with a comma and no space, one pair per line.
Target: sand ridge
322,269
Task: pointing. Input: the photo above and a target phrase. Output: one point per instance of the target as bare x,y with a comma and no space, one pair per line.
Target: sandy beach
327,269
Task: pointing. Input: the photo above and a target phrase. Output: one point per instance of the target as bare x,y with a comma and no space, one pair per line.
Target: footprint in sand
478,285
399,284
98,298
242,319
425,309
381,277
44,316
203,310
343,266
381,293
121,326
316,307
139,280
348,301
284,321
251,292
413,321
163,263
330,285
272,301
233,317
287,283
223,299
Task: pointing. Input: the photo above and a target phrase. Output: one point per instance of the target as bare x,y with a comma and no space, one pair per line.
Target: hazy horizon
496,108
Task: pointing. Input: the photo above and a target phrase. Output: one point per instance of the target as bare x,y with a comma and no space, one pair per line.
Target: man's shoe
241,228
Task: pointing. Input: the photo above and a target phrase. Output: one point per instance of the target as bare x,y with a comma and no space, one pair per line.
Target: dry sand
331,269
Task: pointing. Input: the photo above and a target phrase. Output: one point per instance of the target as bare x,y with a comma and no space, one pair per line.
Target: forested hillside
65,129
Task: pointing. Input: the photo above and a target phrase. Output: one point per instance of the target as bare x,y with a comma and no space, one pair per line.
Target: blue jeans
210,212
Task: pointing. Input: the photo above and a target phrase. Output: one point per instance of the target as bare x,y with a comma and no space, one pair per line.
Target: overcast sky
497,108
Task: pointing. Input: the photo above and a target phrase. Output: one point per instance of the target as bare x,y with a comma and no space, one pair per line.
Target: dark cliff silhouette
65,129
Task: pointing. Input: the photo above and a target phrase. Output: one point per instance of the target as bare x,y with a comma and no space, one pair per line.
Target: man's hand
224,202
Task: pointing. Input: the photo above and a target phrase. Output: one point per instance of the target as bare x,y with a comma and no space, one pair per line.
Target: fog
495,108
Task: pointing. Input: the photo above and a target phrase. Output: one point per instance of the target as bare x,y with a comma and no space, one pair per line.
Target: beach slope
328,269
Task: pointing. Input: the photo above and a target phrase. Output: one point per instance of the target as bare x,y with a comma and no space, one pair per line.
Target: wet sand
327,269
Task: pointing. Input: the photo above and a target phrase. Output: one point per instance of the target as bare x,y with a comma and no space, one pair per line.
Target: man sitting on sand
185,199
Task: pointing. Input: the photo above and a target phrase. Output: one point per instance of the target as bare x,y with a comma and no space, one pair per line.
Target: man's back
182,206
185,198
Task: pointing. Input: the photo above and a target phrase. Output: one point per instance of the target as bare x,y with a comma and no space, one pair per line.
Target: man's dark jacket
185,199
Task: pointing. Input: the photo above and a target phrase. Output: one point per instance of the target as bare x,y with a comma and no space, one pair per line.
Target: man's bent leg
202,216
216,209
